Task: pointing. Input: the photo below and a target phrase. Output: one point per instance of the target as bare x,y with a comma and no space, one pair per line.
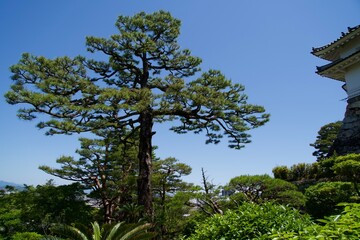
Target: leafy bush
27,236
322,199
343,226
251,221
348,167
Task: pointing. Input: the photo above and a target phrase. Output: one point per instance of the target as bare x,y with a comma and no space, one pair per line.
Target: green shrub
343,226
251,221
26,236
322,199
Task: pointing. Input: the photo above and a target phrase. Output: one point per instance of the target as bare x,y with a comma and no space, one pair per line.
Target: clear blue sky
265,45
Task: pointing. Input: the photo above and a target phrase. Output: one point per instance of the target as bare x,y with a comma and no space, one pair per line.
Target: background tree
170,194
208,197
35,209
263,188
167,178
105,166
178,214
303,172
302,175
325,139
142,83
10,215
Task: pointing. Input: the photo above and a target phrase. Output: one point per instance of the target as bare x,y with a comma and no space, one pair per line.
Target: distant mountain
4,183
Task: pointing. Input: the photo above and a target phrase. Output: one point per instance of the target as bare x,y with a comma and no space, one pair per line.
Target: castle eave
336,70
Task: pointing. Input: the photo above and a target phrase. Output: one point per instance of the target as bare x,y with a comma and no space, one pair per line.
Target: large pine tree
145,79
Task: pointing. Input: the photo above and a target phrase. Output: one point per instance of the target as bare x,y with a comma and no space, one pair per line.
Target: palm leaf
114,231
70,232
96,231
144,236
136,231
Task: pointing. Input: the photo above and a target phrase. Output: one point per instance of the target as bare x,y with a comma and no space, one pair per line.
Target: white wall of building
352,78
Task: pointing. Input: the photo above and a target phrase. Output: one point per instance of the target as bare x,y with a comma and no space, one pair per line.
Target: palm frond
96,231
70,232
136,231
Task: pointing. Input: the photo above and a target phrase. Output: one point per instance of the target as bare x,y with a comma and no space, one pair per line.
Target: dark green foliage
176,215
325,139
10,216
167,178
36,209
251,221
298,172
281,172
322,199
348,167
302,175
131,212
262,188
326,169
171,194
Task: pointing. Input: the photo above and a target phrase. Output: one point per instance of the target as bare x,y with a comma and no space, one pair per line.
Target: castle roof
331,51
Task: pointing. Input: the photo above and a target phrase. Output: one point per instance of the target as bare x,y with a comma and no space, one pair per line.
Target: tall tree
141,83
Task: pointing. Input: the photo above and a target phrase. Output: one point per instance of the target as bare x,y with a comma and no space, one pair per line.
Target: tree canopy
263,188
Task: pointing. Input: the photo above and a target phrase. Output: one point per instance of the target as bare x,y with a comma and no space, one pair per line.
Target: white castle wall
352,77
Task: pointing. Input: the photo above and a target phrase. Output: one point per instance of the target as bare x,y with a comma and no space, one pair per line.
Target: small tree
105,166
167,178
325,139
145,80
281,172
348,167
262,188
207,197
167,183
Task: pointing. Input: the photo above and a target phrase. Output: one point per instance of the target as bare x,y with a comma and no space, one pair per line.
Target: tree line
293,200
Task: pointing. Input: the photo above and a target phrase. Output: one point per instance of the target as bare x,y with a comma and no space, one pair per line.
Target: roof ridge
343,34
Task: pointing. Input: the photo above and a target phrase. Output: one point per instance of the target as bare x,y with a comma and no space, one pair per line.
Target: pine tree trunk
145,164
108,208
